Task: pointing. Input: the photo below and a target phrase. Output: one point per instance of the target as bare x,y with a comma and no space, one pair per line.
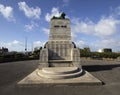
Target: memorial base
56,77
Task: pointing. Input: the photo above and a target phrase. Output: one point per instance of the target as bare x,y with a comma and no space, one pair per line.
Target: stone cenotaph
60,51
59,59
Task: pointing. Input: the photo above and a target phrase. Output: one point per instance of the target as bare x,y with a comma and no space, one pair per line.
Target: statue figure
62,16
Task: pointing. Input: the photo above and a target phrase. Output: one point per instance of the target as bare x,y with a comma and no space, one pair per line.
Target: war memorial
59,59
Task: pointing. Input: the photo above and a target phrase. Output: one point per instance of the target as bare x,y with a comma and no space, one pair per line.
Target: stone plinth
59,76
60,72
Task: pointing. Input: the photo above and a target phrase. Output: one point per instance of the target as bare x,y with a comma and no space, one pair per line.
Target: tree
85,52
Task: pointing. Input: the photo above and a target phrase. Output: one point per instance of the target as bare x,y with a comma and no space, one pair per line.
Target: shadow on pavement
95,68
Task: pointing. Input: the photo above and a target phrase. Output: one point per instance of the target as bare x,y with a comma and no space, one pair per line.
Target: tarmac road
106,71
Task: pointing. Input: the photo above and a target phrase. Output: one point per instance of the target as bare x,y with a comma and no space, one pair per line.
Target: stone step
60,64
60,72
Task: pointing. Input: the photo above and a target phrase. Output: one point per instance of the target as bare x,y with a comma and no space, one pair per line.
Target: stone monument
59,59
60,51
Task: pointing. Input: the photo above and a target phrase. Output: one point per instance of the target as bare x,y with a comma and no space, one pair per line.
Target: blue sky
94,23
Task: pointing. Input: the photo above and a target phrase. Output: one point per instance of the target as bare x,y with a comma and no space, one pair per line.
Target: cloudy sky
94,23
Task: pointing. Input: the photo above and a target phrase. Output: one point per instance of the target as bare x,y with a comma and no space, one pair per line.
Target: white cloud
73,35
116,11
31,26
13,43
7,12
46,30
104,27
38,44
81,44
30,12
86,27
65,2
107,43
54,12
113,43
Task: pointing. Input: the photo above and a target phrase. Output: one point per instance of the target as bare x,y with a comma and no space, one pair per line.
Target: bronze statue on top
62,16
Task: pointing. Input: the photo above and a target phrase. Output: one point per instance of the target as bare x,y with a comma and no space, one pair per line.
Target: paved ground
107,71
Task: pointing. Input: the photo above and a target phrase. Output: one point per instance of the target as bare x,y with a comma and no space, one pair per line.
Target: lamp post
26,45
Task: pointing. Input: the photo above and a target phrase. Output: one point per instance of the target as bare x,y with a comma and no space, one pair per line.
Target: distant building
105,50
